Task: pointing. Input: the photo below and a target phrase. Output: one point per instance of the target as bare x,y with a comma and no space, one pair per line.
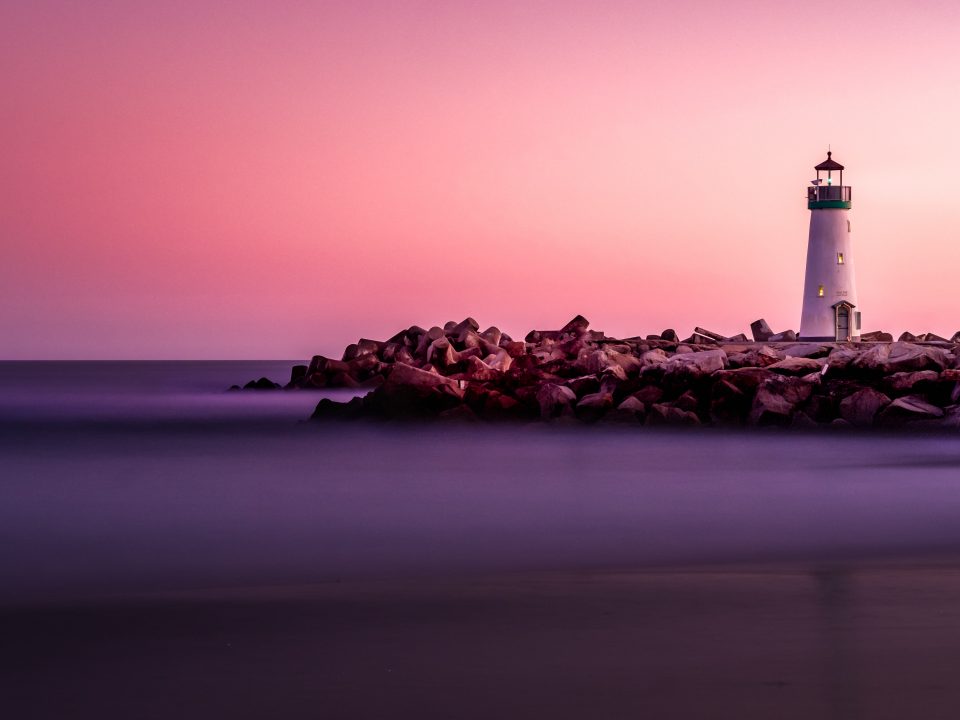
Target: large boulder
628,412
806,350
876,336
593,407
262,384
577,326
478,371
861,408
777,399
903,383
909,408
888,358
766,356
747,379
692,366
425,339
728,403
666,414
555,400
796,366
653,357
716,337
760,330
785,336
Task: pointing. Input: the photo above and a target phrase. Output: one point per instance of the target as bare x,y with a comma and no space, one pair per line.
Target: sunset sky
197,179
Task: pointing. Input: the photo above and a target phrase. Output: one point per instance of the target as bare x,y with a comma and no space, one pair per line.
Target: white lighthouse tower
830,310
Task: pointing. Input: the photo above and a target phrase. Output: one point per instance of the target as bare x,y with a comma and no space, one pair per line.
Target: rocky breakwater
579,375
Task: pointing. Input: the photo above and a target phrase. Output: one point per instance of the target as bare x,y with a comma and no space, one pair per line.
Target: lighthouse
830,310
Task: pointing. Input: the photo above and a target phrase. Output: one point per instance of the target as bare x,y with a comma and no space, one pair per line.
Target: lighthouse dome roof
829,164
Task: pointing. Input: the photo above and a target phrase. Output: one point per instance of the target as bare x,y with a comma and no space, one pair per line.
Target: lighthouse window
848,226
839,258
856,316
820,291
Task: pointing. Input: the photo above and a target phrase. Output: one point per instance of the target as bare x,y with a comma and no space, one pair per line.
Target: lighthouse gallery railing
820,193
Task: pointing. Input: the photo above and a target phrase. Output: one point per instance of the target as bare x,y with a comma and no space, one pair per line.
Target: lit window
820,291
839,258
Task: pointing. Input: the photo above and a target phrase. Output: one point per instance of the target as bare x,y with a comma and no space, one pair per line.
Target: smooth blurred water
127,478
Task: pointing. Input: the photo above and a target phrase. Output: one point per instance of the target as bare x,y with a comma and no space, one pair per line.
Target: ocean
170,549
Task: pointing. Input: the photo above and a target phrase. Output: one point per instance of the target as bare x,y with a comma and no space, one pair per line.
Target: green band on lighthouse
826,204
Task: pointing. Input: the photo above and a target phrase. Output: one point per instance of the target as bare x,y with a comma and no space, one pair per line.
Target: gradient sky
197,179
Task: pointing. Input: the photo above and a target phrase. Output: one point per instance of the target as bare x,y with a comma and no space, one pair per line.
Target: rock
876,336
728,403
806,350
896,357
298,373
785,336
905,337
695,365
592,407
688,401
716,337
555,400
670,335
631,404
766,356
629,412
498,405
956,337
501,360
740,338
861,408
426,339
261,384
802,421
492,335
478,371
739,359
466,324
760,330
664,414
820,408
909,408
776,400
747,379
905,382
796,366
649,395
406,376
442,354
328,409
653,357
514,348
840,359
576,326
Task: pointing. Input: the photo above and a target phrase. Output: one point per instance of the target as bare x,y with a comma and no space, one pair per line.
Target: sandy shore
870,641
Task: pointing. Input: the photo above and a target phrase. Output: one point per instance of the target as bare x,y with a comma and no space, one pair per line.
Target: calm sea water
143,477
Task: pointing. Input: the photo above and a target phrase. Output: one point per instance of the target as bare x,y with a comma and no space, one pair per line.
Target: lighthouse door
843,323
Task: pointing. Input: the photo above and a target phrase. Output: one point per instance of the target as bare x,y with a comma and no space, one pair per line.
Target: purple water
171,550
138,478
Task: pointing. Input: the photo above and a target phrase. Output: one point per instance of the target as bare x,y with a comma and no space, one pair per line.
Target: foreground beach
203,554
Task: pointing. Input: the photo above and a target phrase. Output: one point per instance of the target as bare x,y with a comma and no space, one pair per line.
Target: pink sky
268,179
